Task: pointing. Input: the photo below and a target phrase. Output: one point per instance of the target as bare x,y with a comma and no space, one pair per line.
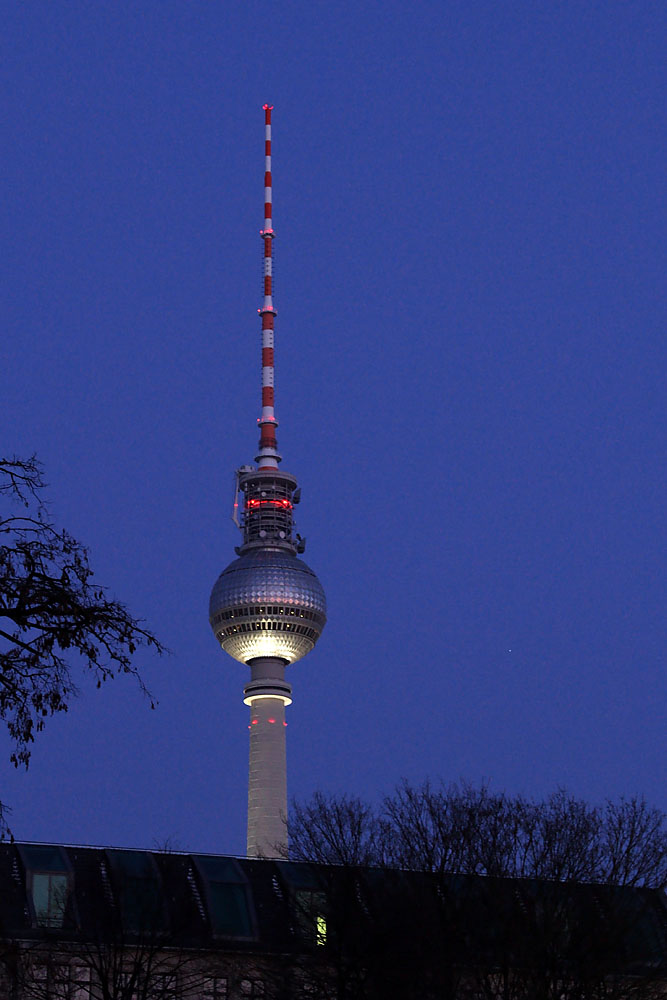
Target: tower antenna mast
268,456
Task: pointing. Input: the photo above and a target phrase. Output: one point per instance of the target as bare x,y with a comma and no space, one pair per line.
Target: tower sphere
267,603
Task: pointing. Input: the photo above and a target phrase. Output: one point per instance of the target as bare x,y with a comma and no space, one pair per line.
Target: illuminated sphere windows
267,603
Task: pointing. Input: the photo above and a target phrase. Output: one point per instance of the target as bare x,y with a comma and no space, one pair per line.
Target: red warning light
253,504
271,720
255,721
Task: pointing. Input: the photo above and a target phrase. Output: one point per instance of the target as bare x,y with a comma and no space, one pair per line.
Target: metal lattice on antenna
268,456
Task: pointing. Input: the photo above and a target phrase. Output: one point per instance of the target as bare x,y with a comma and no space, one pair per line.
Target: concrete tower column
267,694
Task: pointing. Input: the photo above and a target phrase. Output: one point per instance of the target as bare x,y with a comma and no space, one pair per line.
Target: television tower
267,608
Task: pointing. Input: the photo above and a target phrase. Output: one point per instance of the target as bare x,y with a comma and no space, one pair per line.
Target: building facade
84,923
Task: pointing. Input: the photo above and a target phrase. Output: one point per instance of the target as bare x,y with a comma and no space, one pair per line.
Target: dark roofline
209,908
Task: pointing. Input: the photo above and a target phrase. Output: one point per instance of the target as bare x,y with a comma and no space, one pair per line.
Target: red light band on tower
254,504
268,457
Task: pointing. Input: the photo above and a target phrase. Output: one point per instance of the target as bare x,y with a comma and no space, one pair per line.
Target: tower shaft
267,780
267,694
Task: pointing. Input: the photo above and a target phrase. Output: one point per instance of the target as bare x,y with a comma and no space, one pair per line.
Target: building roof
217,902
195,900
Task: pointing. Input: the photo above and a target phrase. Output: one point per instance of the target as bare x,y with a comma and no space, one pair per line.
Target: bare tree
111,970
475,892
51,613
336,830
138,970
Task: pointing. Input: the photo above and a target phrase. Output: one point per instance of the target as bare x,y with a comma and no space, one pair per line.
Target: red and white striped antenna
268,456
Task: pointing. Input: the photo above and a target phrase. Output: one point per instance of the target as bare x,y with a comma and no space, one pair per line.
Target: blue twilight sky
470,212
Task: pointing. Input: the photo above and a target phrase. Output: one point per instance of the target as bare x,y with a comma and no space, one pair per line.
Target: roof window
49,883
309,902
227,896
138,891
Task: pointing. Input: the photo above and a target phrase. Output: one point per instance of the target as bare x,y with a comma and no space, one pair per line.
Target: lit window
310,906
309,903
